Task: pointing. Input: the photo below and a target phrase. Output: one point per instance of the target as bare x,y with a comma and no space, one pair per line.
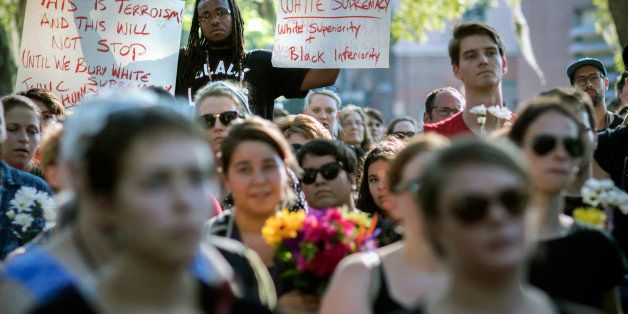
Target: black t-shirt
265,83
580,267
612,155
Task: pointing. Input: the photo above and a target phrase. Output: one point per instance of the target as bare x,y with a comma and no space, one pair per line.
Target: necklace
84,253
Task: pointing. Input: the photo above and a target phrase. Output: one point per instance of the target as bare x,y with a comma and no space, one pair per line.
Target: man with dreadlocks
215,51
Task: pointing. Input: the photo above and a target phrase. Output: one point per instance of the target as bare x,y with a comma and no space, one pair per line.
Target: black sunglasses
543,144
472,208
329,171
208,121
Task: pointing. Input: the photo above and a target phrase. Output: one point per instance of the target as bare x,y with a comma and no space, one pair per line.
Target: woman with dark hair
473,197
255,164
141,177
24,128
552,142
398,277
374,190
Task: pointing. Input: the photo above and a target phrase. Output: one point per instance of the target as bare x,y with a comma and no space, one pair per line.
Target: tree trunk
618,9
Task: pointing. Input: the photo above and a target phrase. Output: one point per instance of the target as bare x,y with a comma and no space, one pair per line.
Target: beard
596,98
226,42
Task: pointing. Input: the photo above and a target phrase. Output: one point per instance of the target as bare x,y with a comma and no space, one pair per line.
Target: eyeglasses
208,121
329,171
412,186
220,13
445,111
472,208
402,135
582,81
543,144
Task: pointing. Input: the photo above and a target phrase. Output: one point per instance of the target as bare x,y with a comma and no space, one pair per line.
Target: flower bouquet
31,211
600,194
310,246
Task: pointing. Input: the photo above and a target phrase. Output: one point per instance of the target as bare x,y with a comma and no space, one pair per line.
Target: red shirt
450,127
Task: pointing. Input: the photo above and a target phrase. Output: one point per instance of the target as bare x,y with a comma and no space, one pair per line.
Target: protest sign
77,48
332,34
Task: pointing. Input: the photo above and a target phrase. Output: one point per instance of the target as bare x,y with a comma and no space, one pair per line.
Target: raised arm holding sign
215,51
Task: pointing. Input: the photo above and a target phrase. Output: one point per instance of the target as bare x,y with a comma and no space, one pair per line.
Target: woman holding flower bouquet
571,261
255,161
396,277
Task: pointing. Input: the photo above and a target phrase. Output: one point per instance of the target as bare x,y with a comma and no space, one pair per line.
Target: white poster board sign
332,34
77,48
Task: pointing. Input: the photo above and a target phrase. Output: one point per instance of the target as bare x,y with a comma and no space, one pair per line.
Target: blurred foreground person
396,277
571,261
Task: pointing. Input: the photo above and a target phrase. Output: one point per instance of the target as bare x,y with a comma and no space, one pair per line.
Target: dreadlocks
198,49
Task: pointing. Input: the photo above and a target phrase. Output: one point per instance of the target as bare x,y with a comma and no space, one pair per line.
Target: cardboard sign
332,34
76,48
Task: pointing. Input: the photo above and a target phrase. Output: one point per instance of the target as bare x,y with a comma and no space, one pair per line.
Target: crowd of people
134,203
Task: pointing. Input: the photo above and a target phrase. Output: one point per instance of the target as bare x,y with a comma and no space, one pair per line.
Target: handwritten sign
332,34
76,48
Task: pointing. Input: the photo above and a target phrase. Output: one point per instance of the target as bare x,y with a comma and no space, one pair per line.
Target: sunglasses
402,135
472,208
329,172
208,121
543,144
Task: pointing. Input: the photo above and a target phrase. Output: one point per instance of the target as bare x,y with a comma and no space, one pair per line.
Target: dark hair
195,54
106,151
393,123
461,31
47,98
429,100
339,150
386,150
465,152
374,113
532,110
11,102
258,130
575,100
621,83
426,142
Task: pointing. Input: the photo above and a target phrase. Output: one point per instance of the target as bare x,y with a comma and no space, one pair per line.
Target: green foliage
605,26
414,19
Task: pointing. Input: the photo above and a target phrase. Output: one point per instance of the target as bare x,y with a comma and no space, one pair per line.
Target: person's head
323,104
49,162
477,55
551,140
353,123
301,128
144,170
442,103
589,75
216,24
621,90
403,177
329,169
52,111
473,197
255,161
375,123
218,104
402,127
578,103
23,131
374,190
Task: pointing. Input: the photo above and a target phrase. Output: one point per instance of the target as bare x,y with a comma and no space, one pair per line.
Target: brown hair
574,100
393,123
47,98
366,142
420,144
11,102
461,31
304,125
